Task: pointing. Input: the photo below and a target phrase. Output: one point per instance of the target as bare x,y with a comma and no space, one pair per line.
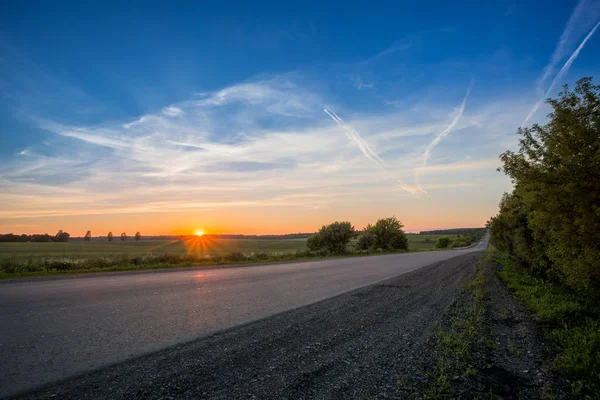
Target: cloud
359,84
172,111
365,148
458,113
256,144
584,16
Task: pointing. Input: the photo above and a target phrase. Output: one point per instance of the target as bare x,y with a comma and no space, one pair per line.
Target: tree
88,236
388,234
333,237
552,218
61,236
443,242
110,236
367,240
137,236
123,236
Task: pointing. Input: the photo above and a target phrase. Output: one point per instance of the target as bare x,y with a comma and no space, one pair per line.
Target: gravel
355,345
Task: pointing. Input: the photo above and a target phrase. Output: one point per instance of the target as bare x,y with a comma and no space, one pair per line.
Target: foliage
461,241
110,236
388,234
573,324
123,236
367,240
333,237
551,221
138,236
443,242
88,236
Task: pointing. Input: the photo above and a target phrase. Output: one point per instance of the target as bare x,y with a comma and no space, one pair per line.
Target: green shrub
388,234
333,237
443,242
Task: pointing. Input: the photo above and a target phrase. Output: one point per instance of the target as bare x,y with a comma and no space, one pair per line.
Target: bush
460,242
333,237
442,243
366,241
388,234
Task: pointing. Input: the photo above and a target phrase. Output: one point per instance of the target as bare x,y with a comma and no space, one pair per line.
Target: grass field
205,246
78,256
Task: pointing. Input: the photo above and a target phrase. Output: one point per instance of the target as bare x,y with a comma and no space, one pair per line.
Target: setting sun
199,233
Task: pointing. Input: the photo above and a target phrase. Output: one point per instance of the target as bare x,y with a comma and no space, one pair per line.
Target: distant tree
109,236
389,234
443,242
333,237
61,236
137,236
88,236
123,236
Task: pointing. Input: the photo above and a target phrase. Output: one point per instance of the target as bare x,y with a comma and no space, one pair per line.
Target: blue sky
273,117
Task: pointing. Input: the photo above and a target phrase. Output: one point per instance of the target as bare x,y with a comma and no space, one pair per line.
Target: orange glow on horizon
199,233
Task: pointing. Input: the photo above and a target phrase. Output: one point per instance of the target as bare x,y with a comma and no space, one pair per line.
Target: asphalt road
54,329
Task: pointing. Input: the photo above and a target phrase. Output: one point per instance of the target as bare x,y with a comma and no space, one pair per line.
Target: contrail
355,137
561,73
366,149
457,116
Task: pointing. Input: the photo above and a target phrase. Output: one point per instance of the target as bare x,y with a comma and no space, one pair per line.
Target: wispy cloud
260,143
585,15
365,148
458,113
359,84
172,111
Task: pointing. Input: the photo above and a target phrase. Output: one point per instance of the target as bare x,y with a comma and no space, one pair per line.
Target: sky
275,117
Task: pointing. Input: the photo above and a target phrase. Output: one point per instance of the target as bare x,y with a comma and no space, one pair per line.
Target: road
54,329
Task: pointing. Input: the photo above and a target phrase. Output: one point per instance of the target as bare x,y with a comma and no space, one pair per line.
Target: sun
199,233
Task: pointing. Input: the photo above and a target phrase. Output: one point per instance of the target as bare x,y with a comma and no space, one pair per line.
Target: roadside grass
459,347
51,266
573,325
49,259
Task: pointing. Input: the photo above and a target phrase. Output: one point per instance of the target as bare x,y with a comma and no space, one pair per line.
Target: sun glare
199,233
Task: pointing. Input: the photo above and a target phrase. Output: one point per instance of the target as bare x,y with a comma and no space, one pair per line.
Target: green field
203,247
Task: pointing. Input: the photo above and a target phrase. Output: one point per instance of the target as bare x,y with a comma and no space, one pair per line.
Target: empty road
54,329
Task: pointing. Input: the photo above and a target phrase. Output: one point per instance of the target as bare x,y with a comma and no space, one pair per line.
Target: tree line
550,222
59,237
36,238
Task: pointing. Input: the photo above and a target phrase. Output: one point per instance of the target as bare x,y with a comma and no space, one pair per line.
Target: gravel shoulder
351,346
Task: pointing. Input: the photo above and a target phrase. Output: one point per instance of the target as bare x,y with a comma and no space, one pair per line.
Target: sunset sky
275,118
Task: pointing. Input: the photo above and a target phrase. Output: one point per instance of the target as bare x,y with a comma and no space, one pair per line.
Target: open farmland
204,246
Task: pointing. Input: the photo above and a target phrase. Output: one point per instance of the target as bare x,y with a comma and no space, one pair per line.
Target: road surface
54,329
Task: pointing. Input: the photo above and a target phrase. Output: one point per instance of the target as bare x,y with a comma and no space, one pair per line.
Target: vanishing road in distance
51,329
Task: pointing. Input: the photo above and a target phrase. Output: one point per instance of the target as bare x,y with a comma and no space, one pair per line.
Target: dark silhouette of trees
123,236
109,236
88,236
61,236
137,236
